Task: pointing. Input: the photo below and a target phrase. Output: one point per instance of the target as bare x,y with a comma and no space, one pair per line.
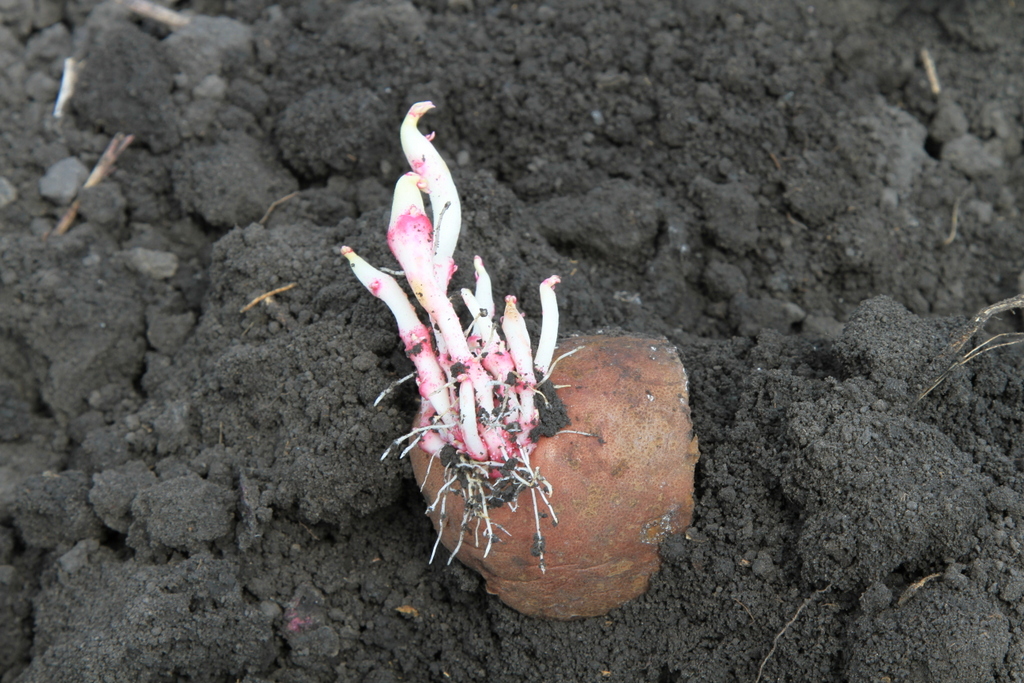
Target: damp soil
190,491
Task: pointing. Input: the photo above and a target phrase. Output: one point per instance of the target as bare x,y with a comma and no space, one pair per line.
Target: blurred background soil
191,492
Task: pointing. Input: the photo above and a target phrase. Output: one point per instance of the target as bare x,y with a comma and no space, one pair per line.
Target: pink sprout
479,391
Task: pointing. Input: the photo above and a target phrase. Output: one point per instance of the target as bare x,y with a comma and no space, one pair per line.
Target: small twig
778,636
408,611
279,202
151,10
67,86
103,168
952,223
929,70
267,295
745,609
954,219
973,328
66,220
914,587
793,221
309,531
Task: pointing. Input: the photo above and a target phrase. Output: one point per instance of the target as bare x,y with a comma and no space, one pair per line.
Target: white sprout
477,390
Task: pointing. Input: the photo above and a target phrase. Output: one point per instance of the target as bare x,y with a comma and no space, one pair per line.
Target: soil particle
306,129
858,529
207,46
753,315
53,510
971,156
159,265
228,183
927,635
63,180
8,193
949,122
191,616
126,86
182,513
113,490
166,331
624,218
730,214
104,206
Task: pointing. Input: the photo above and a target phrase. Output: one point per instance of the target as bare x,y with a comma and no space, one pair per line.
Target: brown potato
616,494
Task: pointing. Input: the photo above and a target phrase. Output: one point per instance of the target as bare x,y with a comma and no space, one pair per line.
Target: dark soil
191,492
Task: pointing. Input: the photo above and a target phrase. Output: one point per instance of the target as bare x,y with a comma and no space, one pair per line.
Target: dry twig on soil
151,10
914,587
929,71
265,296
954,220
279,202
104,167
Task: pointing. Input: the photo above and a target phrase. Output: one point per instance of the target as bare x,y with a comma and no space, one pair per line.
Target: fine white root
573,431
392,387
538,537
462,536
489,532
440,526
416,432
433,550
415,442
440,498
426,475
544,497
547,375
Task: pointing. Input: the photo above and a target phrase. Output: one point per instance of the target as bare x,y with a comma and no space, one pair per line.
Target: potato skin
616,495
